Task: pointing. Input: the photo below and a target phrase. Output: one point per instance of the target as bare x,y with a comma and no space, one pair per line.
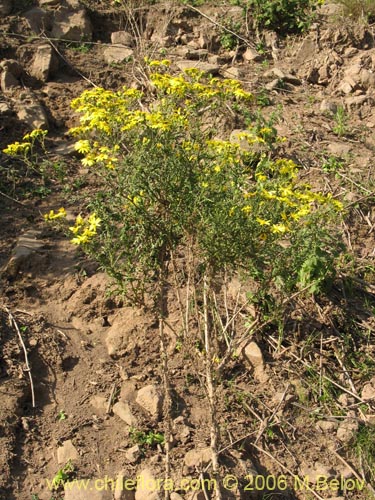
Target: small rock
117,54
124,489
31,112
123,411
72,25
133,454
313,474
358,100
147,489
233,72
175,496
8,81
5,7
339,148
45,62
368,391
326,425
12,66
347,430
67,452
38,20
150,398
328,107
75,491
306,52
99,403
197,495
26,246
251,55
128,391
253,354
205,67
123,38
198,457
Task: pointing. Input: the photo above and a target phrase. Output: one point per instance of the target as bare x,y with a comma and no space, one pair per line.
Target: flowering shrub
168,178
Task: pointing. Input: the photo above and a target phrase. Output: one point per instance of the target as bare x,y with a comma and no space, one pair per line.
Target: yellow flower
263,222
52,215
279,228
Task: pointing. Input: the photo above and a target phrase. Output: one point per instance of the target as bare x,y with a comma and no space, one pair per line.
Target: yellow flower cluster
85,230
52,215
24,148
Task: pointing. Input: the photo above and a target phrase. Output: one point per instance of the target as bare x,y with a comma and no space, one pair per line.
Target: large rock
124,489
122,38
253,355
198,457
150,398
72,25
12,66
31,112
147,486
27,245
38,20
117,54
45,62
67,452
8,81
123,411
5,7
87,489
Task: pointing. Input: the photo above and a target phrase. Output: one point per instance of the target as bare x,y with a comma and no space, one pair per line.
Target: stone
121,337
8,81
233,72
313,474
205,67
99,403
39,20
67,452
147,486
128,391
339,148
133,454
74,490
306,52
347,430
198,457
123,490
27,244
72,25
357,101
328,107
253,354
251,55
123,411
31,112
12,66
197,495
5,7
45,62
117,54
368,391
326,425
175,496
123,38
150,398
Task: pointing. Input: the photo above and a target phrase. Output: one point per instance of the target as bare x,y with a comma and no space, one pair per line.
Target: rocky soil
94,360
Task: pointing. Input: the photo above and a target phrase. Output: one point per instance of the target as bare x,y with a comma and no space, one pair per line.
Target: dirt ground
313,411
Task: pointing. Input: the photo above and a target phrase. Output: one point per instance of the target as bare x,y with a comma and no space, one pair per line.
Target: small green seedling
62,475
61,415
